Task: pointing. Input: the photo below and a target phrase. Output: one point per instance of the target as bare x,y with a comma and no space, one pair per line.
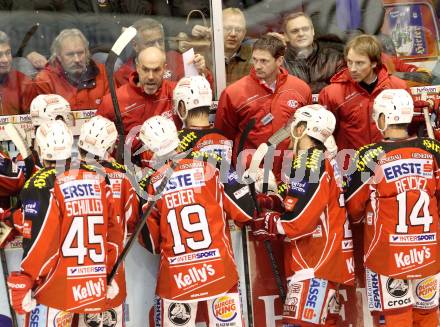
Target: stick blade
123,40
18,140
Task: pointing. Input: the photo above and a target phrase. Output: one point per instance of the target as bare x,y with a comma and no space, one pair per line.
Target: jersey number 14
414,218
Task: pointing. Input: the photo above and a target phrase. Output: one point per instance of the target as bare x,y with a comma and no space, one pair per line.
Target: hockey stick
429,129
255,164
26,40
250,313
18,140
141,223
5,278
113,55
257,158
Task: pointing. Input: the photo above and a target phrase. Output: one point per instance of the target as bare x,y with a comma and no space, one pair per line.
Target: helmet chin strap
382,131
182,117
296,141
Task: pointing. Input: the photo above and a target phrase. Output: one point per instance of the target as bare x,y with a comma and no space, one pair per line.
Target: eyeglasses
303,29
229,29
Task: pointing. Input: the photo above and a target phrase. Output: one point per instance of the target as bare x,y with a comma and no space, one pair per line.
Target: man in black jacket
313,61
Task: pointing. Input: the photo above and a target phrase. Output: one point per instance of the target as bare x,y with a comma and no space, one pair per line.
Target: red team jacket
352,106
316,221
174,70
249,98
72,240
394,190
188,228
136,106
15,94
87,95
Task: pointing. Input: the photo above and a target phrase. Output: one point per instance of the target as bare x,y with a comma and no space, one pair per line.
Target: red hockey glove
269,202
20,288
418,110
437,134
265,226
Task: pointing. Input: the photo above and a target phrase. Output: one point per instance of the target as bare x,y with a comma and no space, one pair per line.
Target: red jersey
188,229
126,205
316,221
207,140
73,238
394,189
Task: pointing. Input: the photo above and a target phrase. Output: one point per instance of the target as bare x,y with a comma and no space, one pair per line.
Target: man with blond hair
352,91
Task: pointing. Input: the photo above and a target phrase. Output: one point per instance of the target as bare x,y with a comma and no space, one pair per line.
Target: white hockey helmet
54,140
194,91
397,106
159,135
320,122
46,107
97,136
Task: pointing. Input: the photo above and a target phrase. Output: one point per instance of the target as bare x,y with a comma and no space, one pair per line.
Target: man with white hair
72,73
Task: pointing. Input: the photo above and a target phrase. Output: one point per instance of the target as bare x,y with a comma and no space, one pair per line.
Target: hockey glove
418,110
265,226
269,202
20,288
112,290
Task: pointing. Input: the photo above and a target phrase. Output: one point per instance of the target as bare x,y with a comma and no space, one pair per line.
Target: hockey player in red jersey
14,173
96,142
313,219
192,99
188,228
71,237
394,191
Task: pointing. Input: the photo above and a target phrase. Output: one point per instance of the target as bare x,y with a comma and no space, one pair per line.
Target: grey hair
68,32
146,24
4,38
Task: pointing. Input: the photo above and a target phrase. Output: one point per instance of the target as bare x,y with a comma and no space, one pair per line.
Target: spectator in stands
314,61
237,54
15,87
151,33
268,94
71,72
146,94
352,91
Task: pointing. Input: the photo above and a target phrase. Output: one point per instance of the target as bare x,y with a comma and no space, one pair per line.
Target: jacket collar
281,78
87,80
292,53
